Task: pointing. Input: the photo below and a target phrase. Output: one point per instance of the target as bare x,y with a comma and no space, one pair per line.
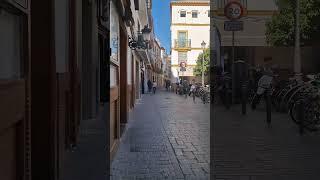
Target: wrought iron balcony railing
182,43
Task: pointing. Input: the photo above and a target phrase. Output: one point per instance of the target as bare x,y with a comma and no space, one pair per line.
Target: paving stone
246,149
161,142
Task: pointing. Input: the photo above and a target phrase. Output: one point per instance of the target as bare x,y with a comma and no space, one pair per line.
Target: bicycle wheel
293,112
312,115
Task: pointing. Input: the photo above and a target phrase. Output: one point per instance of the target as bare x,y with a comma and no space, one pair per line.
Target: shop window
194,14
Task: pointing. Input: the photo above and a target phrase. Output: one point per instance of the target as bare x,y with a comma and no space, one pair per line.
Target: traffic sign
233,10
233,25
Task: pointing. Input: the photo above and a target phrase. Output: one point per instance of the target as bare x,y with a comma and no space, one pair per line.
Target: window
194,14
183,13
136,4
11,45
182,39
182,57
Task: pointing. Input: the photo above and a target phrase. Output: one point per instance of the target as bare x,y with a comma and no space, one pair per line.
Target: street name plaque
233,25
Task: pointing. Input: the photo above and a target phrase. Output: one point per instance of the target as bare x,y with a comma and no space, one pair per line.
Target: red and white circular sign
233,10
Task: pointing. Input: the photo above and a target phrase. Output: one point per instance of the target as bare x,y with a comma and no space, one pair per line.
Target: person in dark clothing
257,75
149,86
167,85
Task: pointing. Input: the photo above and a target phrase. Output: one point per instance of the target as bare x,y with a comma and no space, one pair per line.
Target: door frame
123,75
133,81
15,104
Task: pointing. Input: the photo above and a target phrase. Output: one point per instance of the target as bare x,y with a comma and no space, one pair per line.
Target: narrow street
167,137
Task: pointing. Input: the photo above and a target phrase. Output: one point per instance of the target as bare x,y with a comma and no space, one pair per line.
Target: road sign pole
233,70
233,11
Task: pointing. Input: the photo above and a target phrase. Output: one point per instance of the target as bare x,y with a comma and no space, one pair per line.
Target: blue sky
161,16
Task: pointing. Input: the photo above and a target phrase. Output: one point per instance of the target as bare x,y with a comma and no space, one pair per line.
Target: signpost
233,25
233,11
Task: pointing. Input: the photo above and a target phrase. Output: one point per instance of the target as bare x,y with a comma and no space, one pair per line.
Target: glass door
182,39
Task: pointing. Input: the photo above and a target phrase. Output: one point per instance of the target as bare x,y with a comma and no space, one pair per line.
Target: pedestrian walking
192,90
149,86
185,86
177,86
154,86
167,85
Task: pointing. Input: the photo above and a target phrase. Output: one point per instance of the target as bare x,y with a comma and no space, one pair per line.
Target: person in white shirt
154,86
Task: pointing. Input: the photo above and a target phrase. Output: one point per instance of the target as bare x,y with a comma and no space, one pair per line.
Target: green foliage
281,29
198,68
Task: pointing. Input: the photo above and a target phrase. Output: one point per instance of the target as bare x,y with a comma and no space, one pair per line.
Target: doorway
123,78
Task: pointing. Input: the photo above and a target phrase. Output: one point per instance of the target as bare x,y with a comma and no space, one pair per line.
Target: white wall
253,33
202,14
197,34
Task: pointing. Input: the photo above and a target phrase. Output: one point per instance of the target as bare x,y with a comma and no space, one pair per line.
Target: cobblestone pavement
244,148
167,137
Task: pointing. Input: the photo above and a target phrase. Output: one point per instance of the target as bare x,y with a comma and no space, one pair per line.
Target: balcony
182,43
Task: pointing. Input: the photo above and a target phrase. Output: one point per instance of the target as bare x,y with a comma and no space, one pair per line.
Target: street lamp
146,32
203,45
143,39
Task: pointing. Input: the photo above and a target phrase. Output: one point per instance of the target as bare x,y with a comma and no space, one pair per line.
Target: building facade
255,16
55,77
133,61
158,64
166,60
130,67
250,43
52,85
190,25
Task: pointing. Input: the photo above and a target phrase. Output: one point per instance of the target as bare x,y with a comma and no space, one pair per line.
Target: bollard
268,104
228,98
244,98
300,106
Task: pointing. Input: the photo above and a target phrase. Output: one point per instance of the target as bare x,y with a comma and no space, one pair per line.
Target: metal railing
182,43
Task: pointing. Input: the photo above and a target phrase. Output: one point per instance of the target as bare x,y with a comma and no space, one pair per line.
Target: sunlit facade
190,25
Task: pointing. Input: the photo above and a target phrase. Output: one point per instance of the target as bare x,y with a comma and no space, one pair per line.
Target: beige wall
284,56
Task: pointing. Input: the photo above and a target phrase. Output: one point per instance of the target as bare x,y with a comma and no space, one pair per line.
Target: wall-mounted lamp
143,39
